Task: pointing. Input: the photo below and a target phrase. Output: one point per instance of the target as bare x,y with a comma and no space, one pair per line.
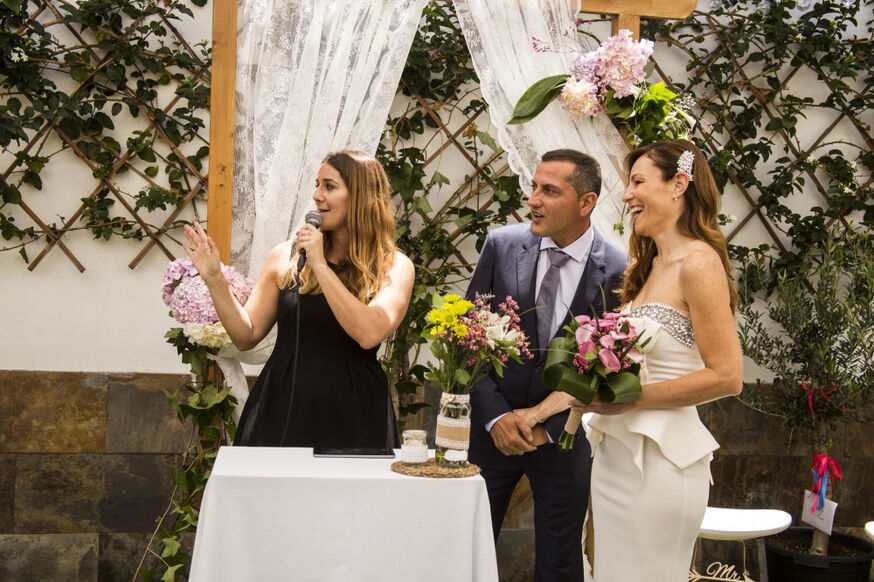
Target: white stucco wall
109,318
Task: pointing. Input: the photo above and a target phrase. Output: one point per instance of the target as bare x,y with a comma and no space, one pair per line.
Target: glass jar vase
453,430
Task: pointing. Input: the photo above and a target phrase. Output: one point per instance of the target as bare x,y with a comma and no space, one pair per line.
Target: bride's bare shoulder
701,256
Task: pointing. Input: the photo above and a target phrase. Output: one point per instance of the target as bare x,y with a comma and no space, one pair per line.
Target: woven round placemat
430,469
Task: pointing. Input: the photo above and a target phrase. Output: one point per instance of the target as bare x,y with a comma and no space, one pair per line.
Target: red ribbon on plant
822,466
812,390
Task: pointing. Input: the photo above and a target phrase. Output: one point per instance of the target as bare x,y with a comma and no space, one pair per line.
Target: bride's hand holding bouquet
597,362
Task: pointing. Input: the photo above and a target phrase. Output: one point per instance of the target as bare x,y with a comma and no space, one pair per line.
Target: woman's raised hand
203,252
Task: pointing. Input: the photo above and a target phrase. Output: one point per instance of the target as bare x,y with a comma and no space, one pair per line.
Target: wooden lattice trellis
754,88
50,17
484,171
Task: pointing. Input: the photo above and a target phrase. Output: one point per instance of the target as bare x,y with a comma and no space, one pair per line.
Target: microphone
313,218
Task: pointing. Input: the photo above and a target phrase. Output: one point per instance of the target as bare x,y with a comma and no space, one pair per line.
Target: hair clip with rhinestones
684,163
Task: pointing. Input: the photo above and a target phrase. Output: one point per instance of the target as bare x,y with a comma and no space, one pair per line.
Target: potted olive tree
809,320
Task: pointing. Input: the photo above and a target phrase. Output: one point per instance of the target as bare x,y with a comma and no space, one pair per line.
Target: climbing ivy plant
742,60
72,75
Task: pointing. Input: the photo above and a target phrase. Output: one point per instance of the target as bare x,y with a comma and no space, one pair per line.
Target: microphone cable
315,219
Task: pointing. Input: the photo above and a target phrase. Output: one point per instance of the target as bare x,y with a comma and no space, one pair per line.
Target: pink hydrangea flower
187,296
620,62
176,271
584,66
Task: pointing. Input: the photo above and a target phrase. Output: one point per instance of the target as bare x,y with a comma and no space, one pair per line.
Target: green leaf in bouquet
560,351
619,388
659,92
560,375
536,98
583,388
461,376
498,365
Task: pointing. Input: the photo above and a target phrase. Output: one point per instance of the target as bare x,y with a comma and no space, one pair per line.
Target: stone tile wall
85,472
86,460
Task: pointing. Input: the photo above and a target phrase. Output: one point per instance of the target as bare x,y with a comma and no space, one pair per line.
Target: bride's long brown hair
699,220
370,221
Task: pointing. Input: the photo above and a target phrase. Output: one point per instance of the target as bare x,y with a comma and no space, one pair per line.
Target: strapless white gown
651,468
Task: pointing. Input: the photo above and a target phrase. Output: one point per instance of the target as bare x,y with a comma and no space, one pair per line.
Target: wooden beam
628,21
645,8
221,124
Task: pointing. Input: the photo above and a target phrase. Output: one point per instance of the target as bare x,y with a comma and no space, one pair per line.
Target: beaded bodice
677,324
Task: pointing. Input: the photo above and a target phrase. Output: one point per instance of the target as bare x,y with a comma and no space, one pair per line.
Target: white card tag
821,519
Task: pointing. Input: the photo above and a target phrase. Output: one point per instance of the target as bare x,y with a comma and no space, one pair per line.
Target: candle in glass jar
414,449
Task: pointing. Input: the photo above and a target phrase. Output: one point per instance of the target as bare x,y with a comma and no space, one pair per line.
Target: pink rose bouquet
596,357
186,294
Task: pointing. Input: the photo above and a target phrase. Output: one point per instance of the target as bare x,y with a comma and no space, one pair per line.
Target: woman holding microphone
322,385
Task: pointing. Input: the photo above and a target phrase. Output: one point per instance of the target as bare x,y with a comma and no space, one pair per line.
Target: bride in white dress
651,469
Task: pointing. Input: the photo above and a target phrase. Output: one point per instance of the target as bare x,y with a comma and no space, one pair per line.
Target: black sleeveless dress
341,394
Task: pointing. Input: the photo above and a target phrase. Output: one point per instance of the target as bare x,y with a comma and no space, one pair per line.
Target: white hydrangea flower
208,335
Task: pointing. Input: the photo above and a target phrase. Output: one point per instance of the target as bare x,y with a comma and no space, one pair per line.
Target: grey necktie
546,298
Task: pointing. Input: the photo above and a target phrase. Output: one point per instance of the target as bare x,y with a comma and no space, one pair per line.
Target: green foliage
536,98
742,58
814,330
206,406
650,116
70,79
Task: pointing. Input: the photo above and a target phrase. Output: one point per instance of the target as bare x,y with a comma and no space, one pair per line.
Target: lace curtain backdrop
313,77
499,37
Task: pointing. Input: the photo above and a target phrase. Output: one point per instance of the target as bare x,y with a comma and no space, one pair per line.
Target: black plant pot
790,566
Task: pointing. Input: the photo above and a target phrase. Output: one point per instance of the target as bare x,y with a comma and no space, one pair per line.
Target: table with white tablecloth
281,514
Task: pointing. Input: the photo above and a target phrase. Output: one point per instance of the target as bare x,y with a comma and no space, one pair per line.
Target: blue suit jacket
508,266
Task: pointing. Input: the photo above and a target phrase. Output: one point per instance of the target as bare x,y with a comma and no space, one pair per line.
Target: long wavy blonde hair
371,224
699,219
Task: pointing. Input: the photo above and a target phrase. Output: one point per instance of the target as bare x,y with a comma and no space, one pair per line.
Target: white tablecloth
281,514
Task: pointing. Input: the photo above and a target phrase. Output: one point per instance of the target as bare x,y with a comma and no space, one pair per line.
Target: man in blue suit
554,266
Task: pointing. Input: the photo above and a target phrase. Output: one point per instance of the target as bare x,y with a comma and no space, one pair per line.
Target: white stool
869,530
743,524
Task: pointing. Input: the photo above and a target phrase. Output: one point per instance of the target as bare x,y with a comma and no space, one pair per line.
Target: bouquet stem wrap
566,440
